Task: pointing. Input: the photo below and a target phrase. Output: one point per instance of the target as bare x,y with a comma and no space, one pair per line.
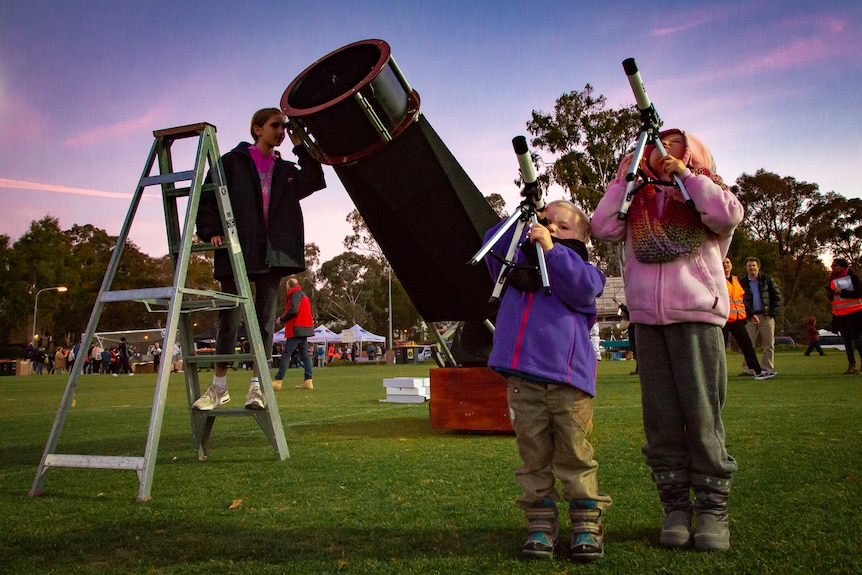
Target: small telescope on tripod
649,134
526,213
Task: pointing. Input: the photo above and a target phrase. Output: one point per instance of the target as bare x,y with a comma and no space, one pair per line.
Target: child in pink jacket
677,295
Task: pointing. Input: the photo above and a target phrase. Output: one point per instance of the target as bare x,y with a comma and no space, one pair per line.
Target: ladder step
94,461
187,131
230,411
165,294
223,358
138,294
168,178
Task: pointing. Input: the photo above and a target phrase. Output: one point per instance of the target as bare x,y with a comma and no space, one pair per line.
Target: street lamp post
391,341
60,289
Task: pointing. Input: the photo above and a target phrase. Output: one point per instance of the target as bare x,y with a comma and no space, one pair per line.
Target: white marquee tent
359,335
322,334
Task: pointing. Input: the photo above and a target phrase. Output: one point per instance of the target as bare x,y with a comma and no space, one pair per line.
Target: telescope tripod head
526,213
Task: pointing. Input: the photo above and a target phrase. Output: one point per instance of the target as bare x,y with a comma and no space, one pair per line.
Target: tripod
649,134
526,212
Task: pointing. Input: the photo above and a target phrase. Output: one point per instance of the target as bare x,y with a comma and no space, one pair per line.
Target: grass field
371,488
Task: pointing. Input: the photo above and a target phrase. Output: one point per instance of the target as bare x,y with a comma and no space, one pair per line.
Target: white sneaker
211,399
254,399
765,374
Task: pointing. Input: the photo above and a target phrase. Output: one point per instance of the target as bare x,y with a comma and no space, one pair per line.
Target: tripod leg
688,201
510,254
631,176
543,266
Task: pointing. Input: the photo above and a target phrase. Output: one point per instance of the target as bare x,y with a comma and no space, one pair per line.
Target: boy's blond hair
581,220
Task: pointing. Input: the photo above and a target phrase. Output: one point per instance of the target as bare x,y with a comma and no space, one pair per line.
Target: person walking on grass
542,346
813,336
298,327
845,292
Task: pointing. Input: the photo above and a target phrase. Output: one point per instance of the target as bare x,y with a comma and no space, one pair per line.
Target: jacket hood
697,155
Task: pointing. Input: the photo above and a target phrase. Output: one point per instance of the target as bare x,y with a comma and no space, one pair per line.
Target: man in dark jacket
264,193
762,300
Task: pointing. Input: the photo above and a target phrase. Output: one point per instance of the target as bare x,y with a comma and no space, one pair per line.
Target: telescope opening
351,103
336,75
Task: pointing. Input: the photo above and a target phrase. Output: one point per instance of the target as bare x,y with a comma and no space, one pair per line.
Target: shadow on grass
164,543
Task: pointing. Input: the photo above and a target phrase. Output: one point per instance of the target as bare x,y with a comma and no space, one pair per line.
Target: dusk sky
773,84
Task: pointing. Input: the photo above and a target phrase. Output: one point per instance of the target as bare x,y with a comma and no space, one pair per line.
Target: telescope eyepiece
520,145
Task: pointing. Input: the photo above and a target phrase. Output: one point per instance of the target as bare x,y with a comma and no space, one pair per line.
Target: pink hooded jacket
691,287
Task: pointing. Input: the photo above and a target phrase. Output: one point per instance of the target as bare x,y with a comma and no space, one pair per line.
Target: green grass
371,488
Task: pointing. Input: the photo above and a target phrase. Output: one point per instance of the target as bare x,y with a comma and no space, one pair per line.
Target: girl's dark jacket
279,247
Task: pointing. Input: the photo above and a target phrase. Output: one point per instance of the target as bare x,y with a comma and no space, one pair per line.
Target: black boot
673,490
712,532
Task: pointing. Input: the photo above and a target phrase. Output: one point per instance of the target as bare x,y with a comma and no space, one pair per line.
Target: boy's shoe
587,533
254,399
711,533
542,527
276,384
211,399
765,374
851,370
539,545
676,529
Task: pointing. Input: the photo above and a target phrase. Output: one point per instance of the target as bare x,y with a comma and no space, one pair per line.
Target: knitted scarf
655,239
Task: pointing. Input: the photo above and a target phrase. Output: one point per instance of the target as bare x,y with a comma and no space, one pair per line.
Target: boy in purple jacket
677,296
542,344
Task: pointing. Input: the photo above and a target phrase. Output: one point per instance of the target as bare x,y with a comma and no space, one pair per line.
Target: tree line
789,225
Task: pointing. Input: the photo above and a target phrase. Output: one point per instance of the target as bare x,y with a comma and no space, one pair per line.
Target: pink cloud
127,128
689,20
40,187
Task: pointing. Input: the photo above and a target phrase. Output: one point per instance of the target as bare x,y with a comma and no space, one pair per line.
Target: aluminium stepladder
178,301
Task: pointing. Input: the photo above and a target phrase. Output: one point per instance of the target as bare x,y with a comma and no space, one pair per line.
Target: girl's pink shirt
265,165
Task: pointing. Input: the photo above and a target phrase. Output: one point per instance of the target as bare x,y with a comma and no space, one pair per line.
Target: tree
589,141
362,240
840,220
779,219
498,204
375,281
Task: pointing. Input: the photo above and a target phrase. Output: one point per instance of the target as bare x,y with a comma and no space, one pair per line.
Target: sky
773,84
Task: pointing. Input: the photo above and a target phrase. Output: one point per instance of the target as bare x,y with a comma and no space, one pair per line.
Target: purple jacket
548,336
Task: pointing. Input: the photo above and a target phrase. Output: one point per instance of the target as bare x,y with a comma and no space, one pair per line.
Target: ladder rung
138,294
222,358
167,293
229,411
94,461
168,178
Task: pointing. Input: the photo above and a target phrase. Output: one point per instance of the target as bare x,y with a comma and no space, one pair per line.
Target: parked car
784,340
829,340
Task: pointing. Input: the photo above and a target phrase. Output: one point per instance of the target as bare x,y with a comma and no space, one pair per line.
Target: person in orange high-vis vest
846,294
735,325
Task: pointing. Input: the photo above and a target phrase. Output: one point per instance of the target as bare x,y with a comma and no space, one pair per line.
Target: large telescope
356,112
